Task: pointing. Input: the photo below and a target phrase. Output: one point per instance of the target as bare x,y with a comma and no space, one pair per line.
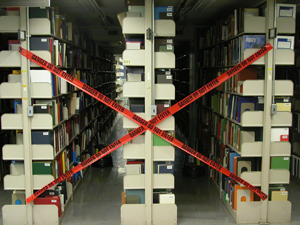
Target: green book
37,12
39,168
215,103
280,162
166,48
158,141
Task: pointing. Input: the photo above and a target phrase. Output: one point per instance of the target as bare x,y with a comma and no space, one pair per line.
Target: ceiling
98,18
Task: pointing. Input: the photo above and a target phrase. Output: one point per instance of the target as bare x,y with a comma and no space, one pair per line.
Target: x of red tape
146,125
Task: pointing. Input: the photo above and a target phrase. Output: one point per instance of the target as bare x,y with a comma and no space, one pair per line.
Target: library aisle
98,201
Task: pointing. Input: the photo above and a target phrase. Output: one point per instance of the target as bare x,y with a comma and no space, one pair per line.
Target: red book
49,200
13,42
12,9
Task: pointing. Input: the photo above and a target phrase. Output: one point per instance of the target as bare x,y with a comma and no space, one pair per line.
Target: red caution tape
146,125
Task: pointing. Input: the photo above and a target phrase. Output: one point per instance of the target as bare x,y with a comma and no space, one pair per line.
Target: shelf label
146,125
169,77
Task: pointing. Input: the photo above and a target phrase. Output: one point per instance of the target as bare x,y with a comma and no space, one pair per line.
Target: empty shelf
14,90
17,182
16,152
161,181
160,153
137,89
277,176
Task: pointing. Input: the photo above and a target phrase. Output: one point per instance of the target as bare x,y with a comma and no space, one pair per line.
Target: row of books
234,135
232,52
234,24
103,82
232,106
235,83
58,197
63,54
60,27
228,27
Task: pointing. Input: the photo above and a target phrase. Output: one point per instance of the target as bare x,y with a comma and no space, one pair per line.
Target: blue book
139,192
229,105
17,102
231,155
253,41
246,104
53,84
164,9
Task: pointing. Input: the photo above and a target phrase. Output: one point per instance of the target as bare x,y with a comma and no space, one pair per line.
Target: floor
98,199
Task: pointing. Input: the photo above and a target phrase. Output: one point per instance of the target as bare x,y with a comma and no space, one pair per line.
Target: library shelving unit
147,149
242,136
120,75
65,124
181,82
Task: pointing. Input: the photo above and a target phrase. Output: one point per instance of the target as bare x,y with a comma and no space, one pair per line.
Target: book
280,162
162,9
285,42
13,45
242,194
12,11
167,198
133,45
251,11
49,200
245,104
279,196
42,137
39,12
244,165
250,42
41,108
138,192
286,10
166,168
279,134
133,169
231,161
39,168
41,76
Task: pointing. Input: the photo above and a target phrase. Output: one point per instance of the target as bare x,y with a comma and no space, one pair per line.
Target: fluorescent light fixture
91,6
202,3
29,3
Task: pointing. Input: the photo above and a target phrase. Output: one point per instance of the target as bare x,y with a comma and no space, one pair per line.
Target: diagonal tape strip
197,94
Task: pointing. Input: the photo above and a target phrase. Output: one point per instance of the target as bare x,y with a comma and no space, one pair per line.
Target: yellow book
16,72
63,162
279,196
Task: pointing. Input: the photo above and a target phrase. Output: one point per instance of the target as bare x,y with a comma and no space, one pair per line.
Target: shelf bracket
273,33
21,35
30,111
149,34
